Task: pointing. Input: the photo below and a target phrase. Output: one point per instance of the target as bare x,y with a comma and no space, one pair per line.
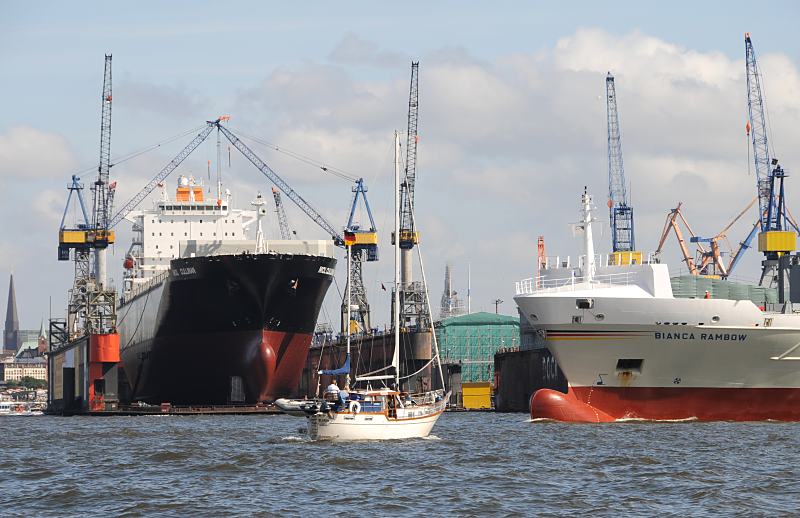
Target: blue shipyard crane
362,245
620,213
774,237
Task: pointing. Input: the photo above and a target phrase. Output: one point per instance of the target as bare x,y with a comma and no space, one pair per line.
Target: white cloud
353,50
28,153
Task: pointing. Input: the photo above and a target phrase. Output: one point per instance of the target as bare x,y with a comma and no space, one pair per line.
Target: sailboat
379,413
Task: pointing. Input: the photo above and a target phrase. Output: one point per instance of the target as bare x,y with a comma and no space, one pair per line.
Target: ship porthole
599,317
715,318
533,316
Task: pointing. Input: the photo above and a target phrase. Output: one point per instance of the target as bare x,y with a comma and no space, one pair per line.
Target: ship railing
139,288
573,282
559,262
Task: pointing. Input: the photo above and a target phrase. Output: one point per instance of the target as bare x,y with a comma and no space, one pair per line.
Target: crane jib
251,156
281,184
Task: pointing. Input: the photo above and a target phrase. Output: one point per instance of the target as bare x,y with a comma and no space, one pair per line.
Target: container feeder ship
631,350
210,317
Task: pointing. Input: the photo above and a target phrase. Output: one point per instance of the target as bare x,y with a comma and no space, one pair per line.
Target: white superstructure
192,225
161,232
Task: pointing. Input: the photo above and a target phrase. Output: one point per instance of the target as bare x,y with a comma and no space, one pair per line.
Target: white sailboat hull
415,422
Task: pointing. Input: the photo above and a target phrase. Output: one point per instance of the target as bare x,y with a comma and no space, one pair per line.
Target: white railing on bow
534,285
619,259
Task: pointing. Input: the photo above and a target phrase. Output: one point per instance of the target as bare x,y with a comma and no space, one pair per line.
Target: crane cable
340,173
130,156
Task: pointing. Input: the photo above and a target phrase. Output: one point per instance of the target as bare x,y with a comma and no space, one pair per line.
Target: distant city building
11,337
452,305
14,369
28,360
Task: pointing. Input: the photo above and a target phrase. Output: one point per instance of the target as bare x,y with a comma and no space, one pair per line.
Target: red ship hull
604,404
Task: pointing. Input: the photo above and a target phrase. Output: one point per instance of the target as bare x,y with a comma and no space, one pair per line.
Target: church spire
11,338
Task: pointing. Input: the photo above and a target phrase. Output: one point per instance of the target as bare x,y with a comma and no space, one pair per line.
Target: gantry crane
92,306
620,213
362,244
413,304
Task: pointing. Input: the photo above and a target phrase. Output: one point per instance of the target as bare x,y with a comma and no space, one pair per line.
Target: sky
512,120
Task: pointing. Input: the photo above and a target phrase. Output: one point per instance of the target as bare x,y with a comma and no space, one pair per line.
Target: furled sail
344,369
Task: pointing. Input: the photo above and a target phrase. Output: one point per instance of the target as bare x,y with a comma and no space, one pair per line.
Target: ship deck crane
620,213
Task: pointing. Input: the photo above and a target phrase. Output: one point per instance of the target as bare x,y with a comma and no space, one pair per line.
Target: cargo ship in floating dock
631,350
208,316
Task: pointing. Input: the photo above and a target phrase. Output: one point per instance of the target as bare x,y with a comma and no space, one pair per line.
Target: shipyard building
468,344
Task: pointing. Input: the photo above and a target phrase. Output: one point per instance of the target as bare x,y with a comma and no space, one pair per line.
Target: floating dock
167,409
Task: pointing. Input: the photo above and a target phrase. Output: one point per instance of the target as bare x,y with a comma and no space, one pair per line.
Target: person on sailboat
342,400
332,392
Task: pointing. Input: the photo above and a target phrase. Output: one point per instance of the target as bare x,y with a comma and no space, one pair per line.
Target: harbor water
476,464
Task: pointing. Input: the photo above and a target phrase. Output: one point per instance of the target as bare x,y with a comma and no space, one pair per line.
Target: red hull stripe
668,403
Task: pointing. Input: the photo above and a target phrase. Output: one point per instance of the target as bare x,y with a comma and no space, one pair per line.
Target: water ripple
479,464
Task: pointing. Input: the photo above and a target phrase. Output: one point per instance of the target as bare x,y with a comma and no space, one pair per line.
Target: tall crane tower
92,306
774,239
620,213
413,304
283,223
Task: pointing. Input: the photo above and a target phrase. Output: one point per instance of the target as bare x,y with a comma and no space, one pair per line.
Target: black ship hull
223,329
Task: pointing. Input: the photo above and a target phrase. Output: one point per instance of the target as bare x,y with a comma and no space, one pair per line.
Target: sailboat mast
349,258
396,312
